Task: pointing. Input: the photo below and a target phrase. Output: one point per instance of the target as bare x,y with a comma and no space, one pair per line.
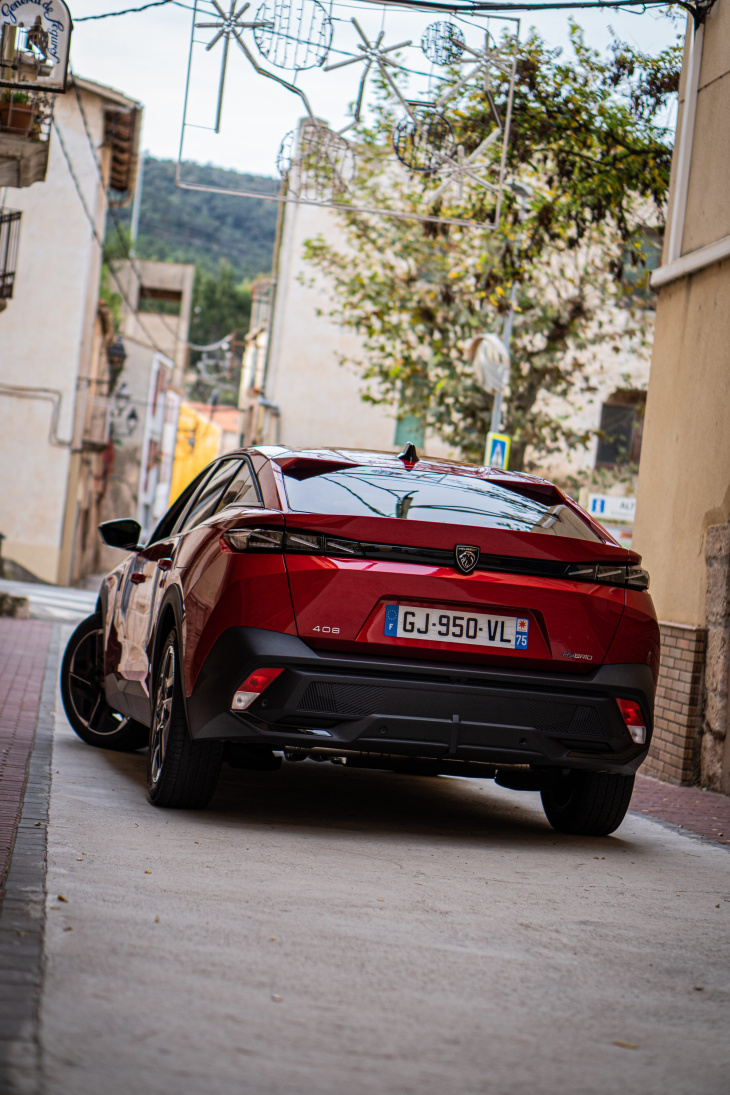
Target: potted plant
17,113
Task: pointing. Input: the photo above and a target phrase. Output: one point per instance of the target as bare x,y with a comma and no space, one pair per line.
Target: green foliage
221,304
195,226
587,138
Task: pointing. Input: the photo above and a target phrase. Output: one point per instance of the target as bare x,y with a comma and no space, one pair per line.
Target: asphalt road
320,931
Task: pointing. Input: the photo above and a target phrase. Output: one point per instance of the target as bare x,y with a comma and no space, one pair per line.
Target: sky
145,55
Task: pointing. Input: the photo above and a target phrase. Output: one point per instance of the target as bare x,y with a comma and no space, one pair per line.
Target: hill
196,226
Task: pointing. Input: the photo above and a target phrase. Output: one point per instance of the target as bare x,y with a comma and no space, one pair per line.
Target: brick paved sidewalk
23,652
702,812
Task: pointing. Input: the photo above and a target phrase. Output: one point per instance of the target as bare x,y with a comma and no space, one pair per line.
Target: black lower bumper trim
401,706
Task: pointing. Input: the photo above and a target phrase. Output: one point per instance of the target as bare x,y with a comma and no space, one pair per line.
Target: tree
221,307
587,136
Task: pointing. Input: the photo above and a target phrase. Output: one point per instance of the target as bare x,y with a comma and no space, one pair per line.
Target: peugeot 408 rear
443,618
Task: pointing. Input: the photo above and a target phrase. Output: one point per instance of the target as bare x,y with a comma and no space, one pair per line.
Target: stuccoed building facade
55,375
683,502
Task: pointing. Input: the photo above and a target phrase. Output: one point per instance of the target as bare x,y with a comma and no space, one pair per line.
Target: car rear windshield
430,496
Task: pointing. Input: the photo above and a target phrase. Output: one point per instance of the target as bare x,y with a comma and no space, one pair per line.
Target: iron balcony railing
9,236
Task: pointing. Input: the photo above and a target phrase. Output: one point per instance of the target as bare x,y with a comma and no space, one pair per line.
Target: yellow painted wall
198,442
684,479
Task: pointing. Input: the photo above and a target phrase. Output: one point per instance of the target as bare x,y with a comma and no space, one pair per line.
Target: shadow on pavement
323,796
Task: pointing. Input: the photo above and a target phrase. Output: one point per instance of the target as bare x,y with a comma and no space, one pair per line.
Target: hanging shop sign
35,37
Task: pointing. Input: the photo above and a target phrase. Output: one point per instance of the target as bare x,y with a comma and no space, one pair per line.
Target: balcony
25,126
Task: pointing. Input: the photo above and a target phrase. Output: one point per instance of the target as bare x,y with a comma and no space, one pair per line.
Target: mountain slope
194,226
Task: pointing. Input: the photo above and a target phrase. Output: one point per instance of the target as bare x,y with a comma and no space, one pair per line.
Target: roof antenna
409,454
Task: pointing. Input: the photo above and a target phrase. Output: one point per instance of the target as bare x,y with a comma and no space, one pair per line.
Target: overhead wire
82,197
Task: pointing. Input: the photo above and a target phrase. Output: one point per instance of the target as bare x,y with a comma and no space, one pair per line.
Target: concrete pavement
321,931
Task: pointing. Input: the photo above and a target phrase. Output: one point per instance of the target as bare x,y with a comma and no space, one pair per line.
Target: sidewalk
701,812
23,651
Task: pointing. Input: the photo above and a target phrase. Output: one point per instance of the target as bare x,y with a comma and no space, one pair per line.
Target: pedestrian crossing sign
497,454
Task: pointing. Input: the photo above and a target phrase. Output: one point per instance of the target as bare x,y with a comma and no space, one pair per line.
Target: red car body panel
351,594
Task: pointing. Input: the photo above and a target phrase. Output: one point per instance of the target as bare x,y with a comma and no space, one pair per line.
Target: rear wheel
82,691
181,773
587,803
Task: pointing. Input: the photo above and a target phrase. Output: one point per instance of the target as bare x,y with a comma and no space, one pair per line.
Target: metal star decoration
227,25
372,54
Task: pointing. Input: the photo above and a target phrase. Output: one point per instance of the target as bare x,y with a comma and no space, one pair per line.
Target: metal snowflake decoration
230,26
462,169
483,61
372,53
227,26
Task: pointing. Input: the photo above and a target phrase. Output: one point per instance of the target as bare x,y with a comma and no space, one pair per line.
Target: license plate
472,629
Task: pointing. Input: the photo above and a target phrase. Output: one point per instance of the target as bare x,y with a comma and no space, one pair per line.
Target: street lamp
116,355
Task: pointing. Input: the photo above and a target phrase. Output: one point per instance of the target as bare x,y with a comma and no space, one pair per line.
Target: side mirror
123,533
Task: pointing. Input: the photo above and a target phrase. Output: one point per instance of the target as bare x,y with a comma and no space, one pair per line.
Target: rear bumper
403,707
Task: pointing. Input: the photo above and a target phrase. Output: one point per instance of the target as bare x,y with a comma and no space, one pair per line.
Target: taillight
253,539
300,543
635,722
255,683
609,575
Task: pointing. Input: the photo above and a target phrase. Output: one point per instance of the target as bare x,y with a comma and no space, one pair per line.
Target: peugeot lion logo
467,557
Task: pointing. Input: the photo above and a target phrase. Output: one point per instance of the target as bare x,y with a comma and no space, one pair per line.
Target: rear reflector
635,723
255,683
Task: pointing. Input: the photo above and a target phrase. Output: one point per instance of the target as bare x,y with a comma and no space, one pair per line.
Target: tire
82,691
587,803
181,773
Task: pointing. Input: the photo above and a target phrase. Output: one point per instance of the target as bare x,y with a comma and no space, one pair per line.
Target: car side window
205,501
170,519
242,490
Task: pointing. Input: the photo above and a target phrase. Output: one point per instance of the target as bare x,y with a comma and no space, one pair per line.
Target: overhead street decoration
390,141
35,36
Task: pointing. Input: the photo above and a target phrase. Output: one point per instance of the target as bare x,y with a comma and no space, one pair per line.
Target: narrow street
319,931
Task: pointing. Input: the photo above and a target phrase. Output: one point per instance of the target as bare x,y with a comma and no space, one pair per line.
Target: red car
382,611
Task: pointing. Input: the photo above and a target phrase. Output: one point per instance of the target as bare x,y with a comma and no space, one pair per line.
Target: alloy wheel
163,714
86,688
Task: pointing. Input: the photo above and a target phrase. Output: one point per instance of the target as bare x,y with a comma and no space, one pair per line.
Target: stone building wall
714,754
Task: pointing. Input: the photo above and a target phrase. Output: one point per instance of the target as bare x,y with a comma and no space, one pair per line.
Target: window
205,500
408,429
242,489
429,496
622,424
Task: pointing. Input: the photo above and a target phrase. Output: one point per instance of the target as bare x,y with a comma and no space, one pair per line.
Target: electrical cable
132,11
